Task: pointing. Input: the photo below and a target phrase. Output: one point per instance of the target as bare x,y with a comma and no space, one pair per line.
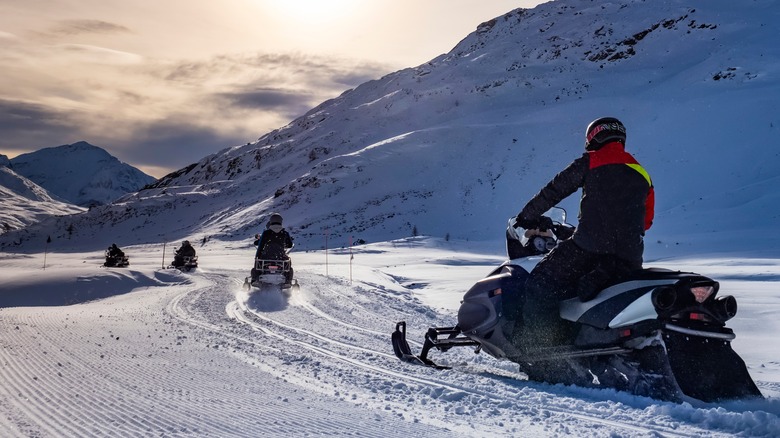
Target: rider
616,208
274,243
186,250
113,255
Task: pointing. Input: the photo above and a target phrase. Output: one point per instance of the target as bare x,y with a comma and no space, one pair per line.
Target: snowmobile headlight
701,293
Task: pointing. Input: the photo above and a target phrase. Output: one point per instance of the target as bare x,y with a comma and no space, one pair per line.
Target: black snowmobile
184,263
272,274
660,333
116,260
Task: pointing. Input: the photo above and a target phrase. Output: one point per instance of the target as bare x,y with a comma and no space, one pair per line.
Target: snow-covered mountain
455,146
80,173
23,202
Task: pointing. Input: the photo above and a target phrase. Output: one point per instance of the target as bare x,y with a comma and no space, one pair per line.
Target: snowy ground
90,351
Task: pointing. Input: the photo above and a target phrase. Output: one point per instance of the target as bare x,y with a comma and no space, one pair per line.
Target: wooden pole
46,251
351,256
326,251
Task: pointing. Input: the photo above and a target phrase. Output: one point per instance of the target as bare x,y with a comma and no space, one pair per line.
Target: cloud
263,69
287,84
79,27
288,102
158,113
173,143
89,53
25,125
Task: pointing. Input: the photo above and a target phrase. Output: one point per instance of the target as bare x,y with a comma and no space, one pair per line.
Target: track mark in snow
444,391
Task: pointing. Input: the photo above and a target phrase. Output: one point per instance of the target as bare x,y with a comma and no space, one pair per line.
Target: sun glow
314,11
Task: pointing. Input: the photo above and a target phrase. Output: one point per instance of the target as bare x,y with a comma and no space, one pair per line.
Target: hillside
455,146
24,203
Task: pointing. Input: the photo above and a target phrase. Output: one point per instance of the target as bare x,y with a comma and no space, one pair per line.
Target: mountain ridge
25,203
80,173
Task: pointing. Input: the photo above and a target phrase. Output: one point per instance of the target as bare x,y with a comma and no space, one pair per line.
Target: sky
162,84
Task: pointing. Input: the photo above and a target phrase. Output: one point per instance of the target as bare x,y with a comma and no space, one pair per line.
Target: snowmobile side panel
640,309
618,296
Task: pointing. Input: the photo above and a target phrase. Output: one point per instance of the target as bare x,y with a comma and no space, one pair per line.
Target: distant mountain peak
81,173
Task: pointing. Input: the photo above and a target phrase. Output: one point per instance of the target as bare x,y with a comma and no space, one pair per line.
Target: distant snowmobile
185,258
660,333
115,258
185,263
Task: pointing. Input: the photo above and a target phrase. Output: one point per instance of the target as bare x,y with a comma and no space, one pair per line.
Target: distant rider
274,243
114,251
114,255
186,250
616,207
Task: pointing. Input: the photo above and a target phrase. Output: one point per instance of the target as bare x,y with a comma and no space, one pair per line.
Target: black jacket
272,245
186,251
114,251
617,203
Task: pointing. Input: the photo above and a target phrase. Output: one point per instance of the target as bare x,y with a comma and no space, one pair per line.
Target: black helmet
602,131
276,219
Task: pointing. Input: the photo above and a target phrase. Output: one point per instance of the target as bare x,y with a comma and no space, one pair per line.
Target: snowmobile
659,333
116,261
185,263
272,274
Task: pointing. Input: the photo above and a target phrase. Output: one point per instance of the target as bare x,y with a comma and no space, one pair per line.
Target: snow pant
567,271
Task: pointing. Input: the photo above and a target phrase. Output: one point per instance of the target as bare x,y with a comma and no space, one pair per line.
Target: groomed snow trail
201,357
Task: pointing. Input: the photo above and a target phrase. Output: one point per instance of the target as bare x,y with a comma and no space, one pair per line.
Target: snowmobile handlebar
562,230
523,242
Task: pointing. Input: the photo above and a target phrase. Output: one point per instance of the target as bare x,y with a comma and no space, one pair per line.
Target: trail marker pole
351,256
46,251
327,231
163,257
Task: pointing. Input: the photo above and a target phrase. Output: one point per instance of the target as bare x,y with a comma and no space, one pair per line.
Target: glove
528,224
543,223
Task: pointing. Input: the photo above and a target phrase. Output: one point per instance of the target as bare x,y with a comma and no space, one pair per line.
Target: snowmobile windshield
557,214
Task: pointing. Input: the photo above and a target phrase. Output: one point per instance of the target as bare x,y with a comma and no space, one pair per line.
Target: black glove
542,223
545,223
528,224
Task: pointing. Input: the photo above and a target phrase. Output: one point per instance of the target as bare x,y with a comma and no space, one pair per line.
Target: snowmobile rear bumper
724,376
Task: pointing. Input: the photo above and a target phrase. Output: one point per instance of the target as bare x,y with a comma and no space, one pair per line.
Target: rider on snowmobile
274,243
616,208
186,250
114,251
114,256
